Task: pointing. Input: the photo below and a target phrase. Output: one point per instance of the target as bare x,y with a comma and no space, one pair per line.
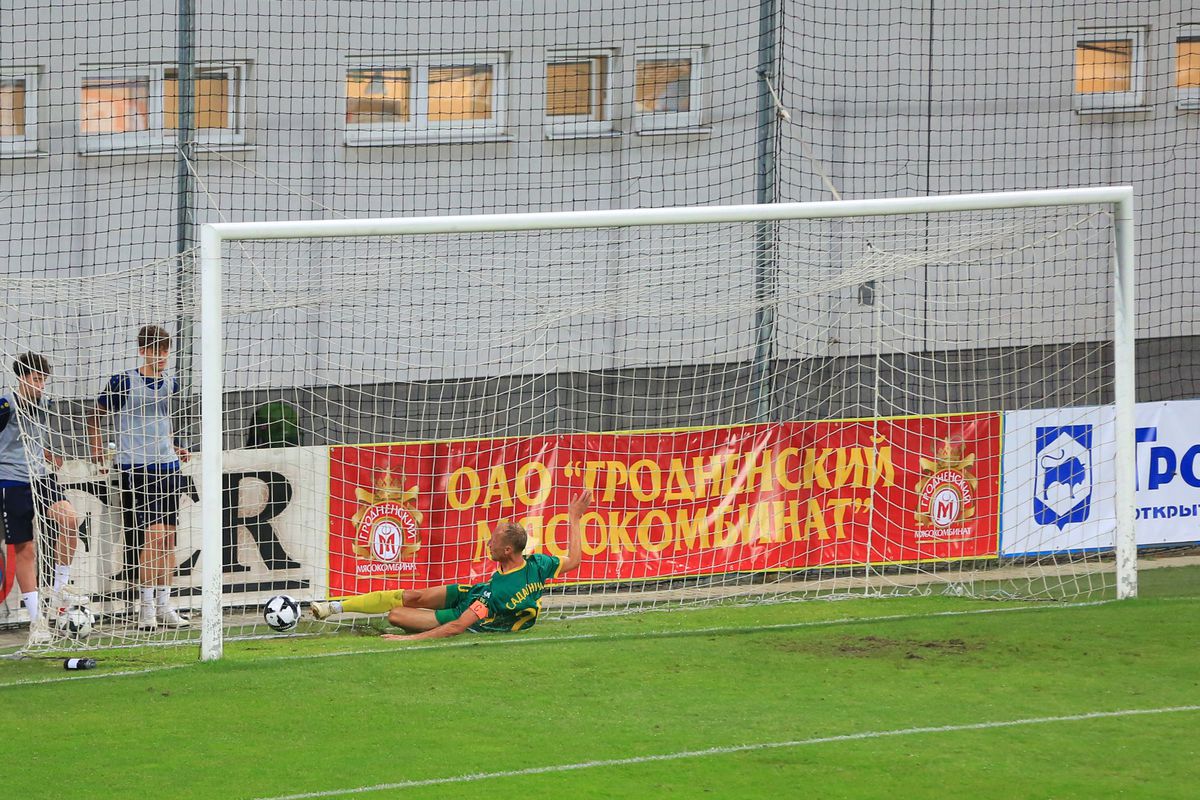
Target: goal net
770,403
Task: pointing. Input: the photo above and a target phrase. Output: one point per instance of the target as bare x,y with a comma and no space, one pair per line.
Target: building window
1110,69
18,112
139,107
577,93
462,93
1187,71
412,99
110,106
214,106
378,97
668,90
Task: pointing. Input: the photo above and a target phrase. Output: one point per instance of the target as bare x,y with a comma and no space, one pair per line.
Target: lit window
213,104
1104,66
1110,69
463,93
569,89
406,99
18,112
664,86
668,90
1187,72
377,96
577,94
114,106
139,107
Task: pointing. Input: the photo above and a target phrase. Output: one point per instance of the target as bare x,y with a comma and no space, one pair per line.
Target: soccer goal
770,402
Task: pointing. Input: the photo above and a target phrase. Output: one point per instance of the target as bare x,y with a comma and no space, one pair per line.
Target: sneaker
39,636
146,619
69,596
170,618
60,601
320,610
39,631
52,609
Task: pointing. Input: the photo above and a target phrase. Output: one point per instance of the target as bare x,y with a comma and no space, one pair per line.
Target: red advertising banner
750,498
381,505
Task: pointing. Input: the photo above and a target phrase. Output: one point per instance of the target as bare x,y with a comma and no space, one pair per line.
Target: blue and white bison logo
1064,468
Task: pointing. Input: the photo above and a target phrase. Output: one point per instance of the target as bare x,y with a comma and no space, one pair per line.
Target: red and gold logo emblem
947,488
387,521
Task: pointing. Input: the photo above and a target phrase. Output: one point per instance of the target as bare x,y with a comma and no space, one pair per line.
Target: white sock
148,597
335,606
164,596
62,574
30,599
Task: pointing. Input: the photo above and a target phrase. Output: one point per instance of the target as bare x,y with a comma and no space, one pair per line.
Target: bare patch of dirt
873,646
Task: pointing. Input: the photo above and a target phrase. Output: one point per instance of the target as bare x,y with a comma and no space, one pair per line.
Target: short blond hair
515,535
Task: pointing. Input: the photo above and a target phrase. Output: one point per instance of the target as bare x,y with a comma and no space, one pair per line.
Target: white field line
741,748
500,640
92,675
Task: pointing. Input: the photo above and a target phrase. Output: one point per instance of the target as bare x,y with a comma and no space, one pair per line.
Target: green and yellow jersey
509,601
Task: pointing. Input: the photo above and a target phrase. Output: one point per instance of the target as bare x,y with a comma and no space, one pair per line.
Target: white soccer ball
76,621
281,613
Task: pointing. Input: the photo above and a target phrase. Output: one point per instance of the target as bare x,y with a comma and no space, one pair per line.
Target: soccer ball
76,622
281,613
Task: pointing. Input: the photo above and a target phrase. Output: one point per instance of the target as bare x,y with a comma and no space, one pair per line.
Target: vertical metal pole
185,274
211,440
1125,398
923,380
185,149
766,263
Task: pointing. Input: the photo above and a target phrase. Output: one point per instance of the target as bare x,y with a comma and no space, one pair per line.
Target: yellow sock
373,602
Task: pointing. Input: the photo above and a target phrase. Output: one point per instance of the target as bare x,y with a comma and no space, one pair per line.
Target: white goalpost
947,307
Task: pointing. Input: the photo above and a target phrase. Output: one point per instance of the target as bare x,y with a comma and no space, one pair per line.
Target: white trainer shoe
54,606
146,619
39,634
69,596
62,600
170,618
319,609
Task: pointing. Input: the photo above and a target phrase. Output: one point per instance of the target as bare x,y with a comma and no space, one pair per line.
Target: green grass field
824,698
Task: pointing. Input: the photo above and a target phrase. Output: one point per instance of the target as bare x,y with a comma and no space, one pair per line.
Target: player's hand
100,461
394,637
579,504
183,453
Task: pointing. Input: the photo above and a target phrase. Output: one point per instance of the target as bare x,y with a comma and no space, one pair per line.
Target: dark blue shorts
17,504
150,497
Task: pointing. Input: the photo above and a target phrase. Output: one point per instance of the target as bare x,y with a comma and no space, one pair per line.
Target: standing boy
26,484
148,461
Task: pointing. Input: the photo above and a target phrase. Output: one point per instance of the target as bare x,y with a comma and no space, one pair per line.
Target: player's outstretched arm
575,511
452,628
